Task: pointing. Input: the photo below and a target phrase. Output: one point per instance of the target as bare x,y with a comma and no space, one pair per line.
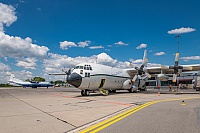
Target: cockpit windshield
85,67
79,67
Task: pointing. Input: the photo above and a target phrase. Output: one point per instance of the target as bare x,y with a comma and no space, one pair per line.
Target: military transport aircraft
14,81
90,77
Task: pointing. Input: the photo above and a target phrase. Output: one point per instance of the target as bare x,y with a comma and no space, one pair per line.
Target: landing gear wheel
113,91
87,93
82,93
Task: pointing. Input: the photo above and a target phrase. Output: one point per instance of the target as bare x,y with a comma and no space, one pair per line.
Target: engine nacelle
162,77
127,84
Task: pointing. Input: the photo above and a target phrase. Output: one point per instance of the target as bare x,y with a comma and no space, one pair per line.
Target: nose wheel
85,93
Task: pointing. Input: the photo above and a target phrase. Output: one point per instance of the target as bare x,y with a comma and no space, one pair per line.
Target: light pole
178,36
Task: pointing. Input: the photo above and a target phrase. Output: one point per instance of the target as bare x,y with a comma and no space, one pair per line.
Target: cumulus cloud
11,46
181,30
120,43
159,53
96,47
5,73
153,65
22,75
84,44
136,61
141,46
4,67
105,59
27,63
55,63
67,44
190,58
14,46
7,15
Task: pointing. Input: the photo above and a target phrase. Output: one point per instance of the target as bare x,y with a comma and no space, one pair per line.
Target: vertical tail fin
12,77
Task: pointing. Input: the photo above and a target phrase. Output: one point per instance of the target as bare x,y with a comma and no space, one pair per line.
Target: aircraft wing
165,69
195,67
168,70
132,72
57,74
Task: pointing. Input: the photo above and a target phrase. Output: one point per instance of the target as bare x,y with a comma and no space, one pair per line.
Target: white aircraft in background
89,77
17,82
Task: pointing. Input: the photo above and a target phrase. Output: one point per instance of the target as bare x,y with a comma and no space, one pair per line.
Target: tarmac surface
59,110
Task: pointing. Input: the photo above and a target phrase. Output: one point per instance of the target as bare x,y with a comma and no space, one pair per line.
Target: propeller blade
144,58
176,59
174,77
134,78
148,75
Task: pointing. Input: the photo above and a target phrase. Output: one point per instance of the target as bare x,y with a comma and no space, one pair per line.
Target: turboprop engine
162,77
127,84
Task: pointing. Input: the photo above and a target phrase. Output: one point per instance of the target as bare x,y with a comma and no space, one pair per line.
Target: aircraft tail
13,79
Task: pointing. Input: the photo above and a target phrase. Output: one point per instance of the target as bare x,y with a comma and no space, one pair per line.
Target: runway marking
99,126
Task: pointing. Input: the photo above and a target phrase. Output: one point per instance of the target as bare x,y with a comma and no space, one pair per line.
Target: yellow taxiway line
99,126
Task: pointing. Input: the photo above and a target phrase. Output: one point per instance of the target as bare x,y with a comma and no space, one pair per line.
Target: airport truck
196,83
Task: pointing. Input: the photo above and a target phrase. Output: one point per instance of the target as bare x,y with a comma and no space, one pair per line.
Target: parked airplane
14,81
90,77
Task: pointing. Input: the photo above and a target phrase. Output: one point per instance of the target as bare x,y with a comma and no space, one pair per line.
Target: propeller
141,70
69,70
177,69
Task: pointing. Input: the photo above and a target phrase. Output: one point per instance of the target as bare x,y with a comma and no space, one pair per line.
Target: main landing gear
85,93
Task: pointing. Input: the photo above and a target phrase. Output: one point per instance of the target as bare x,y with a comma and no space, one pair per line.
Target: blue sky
70,31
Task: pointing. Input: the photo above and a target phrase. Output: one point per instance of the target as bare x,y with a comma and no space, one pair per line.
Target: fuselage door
102,83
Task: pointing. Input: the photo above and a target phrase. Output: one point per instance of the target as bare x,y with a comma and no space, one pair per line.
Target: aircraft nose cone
74,79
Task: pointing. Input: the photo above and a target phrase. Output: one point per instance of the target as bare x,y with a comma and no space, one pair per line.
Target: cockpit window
79,67
87,67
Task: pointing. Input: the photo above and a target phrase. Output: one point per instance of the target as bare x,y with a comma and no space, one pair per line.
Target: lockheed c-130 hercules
89,77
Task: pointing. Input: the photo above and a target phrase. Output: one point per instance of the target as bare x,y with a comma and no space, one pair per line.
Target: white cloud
67,44
7,15
27,63
159,53
141,46
105,59
136,61
153,65
5,73
22,75
11,46
121,43
4,67
55,63
181,30
96,47
190,58
84,44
